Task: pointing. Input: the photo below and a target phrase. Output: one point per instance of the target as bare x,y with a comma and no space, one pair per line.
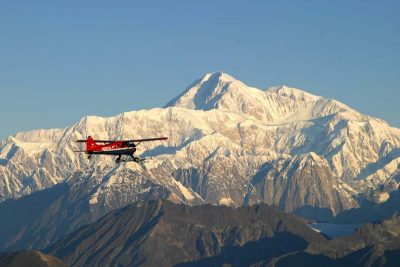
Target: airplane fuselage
116,148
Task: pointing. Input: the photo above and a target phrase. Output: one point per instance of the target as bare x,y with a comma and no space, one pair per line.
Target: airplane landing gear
134,159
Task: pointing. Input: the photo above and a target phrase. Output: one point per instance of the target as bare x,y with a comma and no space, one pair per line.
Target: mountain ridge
181,234
233,147
221,91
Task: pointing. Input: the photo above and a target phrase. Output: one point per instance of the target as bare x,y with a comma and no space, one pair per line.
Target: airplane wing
126,141
145,140
97,141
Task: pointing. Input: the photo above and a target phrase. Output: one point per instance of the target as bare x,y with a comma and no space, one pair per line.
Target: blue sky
62,60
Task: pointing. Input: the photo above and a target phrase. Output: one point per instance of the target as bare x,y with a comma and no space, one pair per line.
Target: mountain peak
205,93
279,104
220,90
218,76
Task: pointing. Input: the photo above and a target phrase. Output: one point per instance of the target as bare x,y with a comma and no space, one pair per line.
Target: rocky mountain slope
370,211
372,245
228,144
36,220
161,233
32,258
39,219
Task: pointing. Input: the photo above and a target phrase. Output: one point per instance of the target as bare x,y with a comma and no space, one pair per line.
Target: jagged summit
213,88
219,75
205,93
280,104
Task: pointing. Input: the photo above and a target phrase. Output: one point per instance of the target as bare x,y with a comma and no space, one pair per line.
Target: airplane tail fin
90,143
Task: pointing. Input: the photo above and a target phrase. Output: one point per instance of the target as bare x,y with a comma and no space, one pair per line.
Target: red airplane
117,148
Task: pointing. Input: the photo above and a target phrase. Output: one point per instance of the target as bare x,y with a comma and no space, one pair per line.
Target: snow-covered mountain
228,144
